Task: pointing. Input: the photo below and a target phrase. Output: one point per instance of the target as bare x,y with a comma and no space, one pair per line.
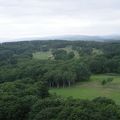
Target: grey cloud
45,17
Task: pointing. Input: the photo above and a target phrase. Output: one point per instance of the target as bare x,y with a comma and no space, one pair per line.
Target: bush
105,81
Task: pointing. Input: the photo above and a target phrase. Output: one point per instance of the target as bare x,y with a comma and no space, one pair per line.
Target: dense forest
25,80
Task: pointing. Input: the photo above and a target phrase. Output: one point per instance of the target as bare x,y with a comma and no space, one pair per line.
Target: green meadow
92,88
43,55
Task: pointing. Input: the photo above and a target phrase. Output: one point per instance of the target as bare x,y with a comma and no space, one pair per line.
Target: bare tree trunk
58,85
63,84
50,84
69,83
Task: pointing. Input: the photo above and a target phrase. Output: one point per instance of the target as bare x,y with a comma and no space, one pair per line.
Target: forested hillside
29,69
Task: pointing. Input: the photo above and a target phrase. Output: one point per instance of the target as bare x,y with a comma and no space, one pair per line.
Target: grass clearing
43,55
92,89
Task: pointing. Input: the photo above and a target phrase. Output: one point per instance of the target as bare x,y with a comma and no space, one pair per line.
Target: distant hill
70,37
83,37
74,37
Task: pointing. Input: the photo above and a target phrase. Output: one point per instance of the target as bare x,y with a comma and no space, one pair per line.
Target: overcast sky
39,18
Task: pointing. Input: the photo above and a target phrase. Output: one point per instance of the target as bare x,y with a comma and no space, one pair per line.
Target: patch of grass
43,55
92,89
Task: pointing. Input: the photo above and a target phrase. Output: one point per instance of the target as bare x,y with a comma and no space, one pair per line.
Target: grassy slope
42,55
92,89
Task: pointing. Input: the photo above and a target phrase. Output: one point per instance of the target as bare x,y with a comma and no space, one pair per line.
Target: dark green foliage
43,104
107,62
14,108
66,73
55,73
70,109
103,82
71,55
16,99
41,90
103,100
82,72
62,55
102,64
30,108
48,114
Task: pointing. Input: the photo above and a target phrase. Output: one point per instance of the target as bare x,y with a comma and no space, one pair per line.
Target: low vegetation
92,88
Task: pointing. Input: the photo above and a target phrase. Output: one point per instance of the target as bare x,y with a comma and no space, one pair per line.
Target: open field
92,89
43,55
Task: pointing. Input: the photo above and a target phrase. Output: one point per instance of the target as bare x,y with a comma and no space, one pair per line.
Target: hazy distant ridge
83,37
